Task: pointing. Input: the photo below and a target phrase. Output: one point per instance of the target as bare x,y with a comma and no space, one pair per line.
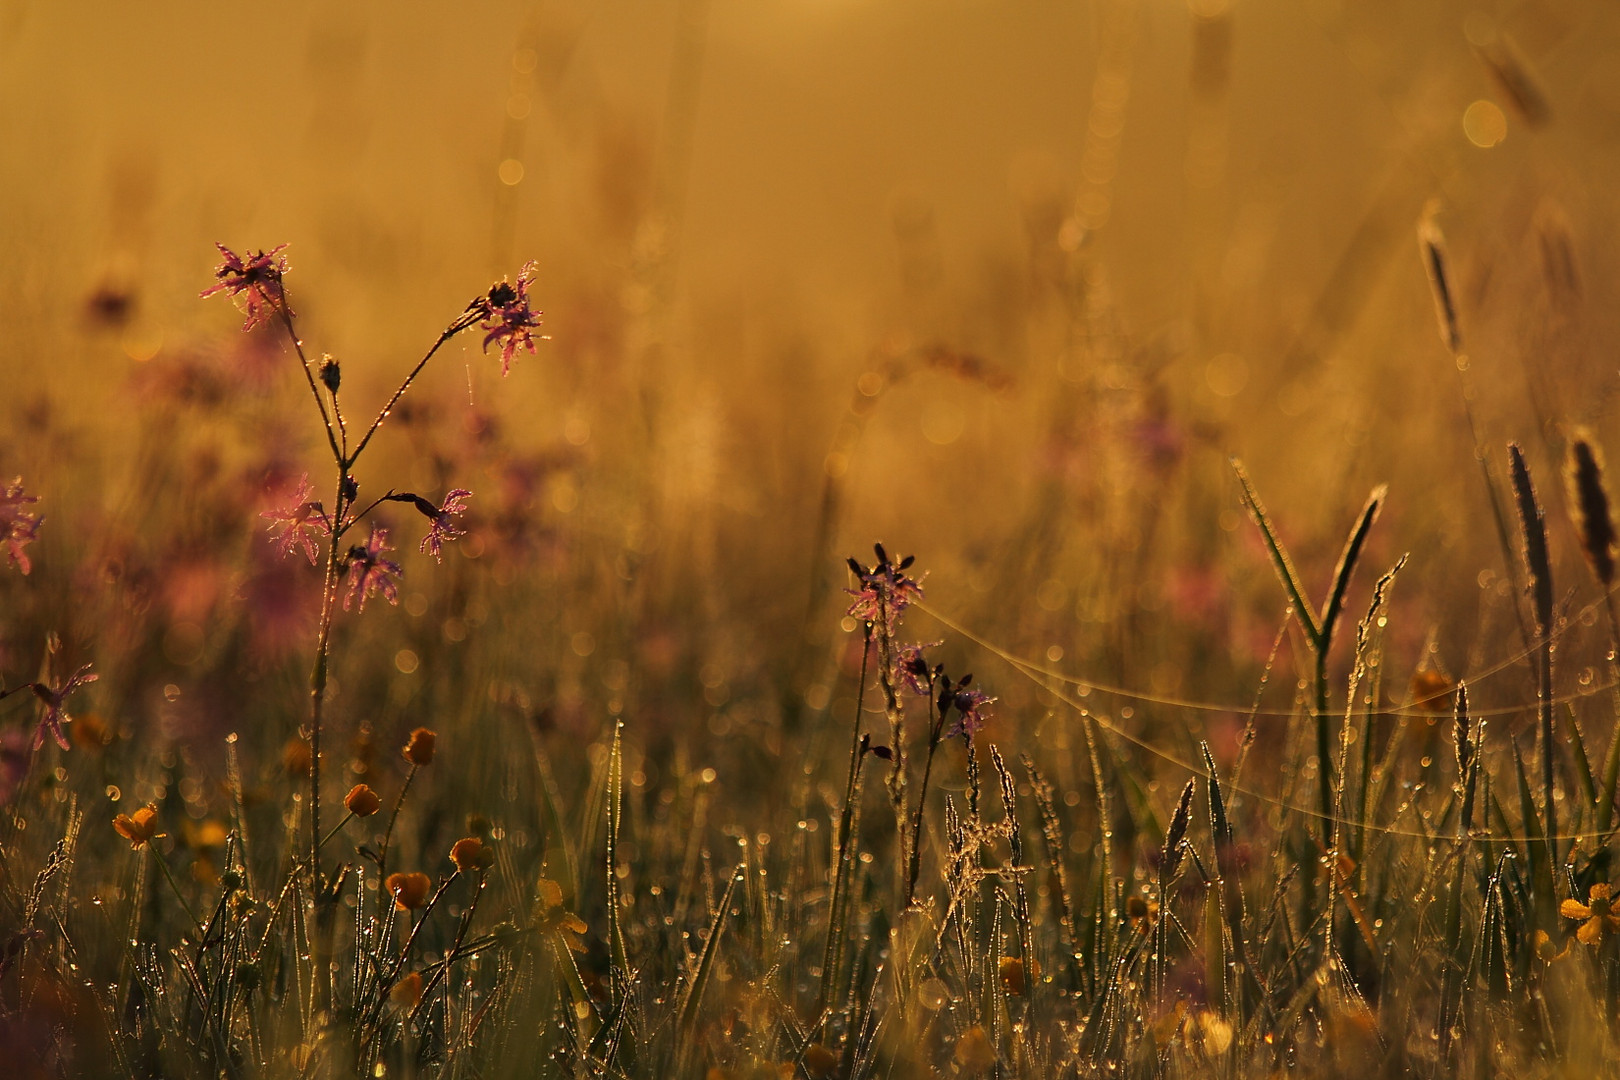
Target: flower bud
419,751
361,801
410,891
470,855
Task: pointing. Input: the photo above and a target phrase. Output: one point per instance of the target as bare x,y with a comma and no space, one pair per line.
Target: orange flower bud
407,992
137,828
819,1061
470,855
361,801
295,757
410,891
419,751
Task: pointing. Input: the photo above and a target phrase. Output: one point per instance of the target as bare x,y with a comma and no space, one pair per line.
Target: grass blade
1279,556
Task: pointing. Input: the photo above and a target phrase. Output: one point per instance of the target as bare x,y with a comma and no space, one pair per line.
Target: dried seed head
1176,833
1589,500
1534,525
1433,246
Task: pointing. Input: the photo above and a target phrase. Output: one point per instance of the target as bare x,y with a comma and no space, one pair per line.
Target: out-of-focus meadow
1003,286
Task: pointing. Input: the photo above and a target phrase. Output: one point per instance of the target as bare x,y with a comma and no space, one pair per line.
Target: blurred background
1002,285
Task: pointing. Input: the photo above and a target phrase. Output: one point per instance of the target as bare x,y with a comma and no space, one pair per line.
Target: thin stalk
388,833
163,864
449,332
846,827
934,731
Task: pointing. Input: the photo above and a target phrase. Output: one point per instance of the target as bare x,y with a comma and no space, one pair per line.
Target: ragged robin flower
54,699
442,525
253,281
370,573
18,526
911,669
969,705
1598,919
507,316
299,523
885,590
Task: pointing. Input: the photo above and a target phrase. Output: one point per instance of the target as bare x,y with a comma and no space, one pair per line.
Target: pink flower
56,713
253,282
370,573
508,317
969,705
912,671
298,524
885,590
18,527
443,526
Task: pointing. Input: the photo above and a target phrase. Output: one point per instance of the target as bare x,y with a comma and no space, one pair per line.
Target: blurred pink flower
13,763
18,527
508,317
443,525
55,698
253,282
370,573
300,523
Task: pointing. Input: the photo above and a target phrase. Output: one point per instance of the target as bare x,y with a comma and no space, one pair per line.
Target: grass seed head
1589,500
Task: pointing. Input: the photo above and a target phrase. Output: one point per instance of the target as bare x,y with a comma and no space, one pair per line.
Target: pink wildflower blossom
253,282
18,527
969,705
885,590
300,523
54,699
912,671
370,573
443,526
508,317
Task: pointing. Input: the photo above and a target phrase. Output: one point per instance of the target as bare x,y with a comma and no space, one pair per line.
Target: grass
1099,766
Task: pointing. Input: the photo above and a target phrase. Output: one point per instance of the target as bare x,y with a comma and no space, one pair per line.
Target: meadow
733,540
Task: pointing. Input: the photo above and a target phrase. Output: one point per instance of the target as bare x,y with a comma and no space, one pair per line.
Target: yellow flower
138,828
1545,950
1597,917
552,917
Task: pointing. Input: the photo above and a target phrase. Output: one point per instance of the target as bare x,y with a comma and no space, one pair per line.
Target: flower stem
163,864
388,833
